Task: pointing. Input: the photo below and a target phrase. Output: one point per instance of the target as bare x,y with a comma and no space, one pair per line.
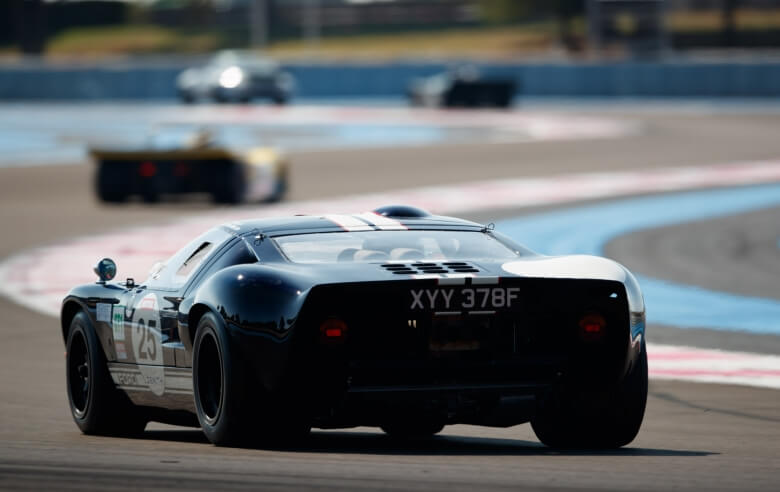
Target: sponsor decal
121,351
466,298
103,312
118,323
147,343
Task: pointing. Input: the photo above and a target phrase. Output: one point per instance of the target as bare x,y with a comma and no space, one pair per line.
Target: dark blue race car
258,331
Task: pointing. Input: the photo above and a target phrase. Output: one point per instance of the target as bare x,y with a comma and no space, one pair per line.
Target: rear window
379,246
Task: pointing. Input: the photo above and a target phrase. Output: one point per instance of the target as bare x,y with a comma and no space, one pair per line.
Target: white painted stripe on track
39,278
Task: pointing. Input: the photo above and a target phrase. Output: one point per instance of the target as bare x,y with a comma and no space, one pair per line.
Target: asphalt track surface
695,436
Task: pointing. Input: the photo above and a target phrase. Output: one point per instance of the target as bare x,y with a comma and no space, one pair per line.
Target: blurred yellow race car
198,165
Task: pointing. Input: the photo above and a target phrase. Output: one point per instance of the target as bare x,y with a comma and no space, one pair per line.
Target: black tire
232,408
110,183
280,99
150,194
280,187
564,424
96,405
413,428
230,187
186,97
218,385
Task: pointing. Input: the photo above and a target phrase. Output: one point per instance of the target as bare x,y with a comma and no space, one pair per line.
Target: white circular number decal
147,343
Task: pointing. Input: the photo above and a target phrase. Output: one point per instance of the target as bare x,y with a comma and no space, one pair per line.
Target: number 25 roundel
147,345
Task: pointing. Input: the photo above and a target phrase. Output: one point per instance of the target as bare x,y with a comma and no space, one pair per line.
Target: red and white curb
713,366
41,277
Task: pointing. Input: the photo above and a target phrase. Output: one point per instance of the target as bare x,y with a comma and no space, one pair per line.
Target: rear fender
260,307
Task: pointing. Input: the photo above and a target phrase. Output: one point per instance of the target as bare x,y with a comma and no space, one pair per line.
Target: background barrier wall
637,79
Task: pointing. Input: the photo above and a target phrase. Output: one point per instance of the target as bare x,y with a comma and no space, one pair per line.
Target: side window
238,254
191,263
180,267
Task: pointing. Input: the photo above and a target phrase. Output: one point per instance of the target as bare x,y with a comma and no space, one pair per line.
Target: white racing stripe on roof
382,222
455,278
484,280
348,222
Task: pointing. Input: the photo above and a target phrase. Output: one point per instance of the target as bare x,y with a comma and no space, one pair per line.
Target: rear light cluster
147,169
592,327
333,331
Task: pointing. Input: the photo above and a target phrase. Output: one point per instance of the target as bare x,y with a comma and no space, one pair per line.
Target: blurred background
642,130
349,48
388,29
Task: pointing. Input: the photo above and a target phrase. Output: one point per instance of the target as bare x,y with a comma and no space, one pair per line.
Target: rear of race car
259,174
478,350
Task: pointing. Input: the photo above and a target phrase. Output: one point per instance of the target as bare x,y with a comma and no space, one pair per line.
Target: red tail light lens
147,169
333,331
592,327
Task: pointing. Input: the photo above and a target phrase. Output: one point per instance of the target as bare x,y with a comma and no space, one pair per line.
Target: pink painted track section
40,278
713,366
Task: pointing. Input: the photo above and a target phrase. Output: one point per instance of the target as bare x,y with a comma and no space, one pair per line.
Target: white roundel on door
147,343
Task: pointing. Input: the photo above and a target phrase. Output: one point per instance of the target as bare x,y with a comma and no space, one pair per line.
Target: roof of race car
368,221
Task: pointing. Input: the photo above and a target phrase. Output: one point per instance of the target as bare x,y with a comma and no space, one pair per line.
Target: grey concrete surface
737,253
695,436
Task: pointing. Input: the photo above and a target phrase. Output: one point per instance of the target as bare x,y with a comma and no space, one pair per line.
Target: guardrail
628,79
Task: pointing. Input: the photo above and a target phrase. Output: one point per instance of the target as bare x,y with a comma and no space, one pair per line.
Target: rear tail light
147,169
592,327
333,331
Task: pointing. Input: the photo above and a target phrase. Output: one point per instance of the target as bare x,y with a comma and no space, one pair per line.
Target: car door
146,320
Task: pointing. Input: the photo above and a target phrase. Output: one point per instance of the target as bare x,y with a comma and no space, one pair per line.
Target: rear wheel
218,385
280,99
186,97
230,187
566,424
95,403
231,407
110,183
280,186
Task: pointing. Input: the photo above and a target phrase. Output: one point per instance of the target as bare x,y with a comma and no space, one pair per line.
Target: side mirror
105,270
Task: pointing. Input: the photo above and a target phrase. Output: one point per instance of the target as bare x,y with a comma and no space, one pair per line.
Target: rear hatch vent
423,268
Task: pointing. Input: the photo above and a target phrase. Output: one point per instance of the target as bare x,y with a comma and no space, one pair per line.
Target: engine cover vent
423,268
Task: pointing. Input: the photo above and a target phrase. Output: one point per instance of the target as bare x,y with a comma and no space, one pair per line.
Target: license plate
464,298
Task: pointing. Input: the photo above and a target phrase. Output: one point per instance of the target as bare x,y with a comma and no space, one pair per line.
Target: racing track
695,436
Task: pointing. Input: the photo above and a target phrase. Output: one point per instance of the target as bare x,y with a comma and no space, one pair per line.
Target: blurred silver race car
166,166
235,75
462,87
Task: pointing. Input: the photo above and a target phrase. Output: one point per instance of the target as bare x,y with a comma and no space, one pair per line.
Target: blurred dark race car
236,76
259,330
173,162
462,87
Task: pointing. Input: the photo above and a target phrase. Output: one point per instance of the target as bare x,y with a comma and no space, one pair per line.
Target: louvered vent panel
437,268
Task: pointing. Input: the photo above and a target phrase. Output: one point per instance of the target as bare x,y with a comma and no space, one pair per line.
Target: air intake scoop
401,212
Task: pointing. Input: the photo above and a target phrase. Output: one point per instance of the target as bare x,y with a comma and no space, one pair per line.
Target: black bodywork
399,357
462,89
153,174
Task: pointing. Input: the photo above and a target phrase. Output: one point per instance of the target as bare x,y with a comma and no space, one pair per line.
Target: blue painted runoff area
587,229
157,80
